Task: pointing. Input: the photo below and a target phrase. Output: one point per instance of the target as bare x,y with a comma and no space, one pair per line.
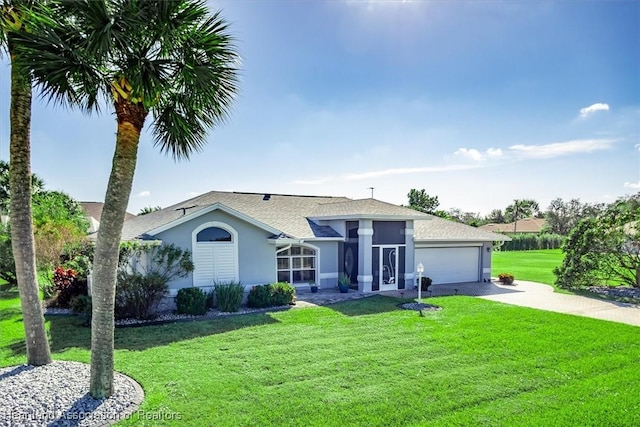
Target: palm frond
175,57
202,83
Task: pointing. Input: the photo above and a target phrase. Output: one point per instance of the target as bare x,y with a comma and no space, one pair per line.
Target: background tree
58,220
13,24
604,249
561,217
419,200
168,58
37,184
495,217
470,218
148,210
520,209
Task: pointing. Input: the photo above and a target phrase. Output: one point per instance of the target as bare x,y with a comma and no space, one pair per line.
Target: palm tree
148,210
23,243
168,58
521,208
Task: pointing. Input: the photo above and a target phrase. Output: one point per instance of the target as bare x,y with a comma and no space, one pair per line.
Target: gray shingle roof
293,216
437,229
364,208
284,213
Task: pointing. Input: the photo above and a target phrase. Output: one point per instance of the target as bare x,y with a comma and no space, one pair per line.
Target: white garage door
450,265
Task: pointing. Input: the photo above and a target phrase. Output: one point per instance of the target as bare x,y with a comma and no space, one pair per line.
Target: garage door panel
450,265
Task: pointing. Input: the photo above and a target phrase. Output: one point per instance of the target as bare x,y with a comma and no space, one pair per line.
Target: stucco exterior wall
327,263
485,261
256,256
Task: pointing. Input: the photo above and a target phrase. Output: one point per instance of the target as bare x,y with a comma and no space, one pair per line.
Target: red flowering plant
66,286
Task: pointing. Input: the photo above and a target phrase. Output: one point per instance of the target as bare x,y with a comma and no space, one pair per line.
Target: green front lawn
366,362
535,266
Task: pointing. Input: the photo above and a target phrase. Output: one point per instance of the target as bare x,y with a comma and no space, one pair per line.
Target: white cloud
633,185
519,151
473,154
192,194
587,111
406,171
145,193
556,149
383,173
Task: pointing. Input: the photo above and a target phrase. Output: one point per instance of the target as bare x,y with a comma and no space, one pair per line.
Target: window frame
286,253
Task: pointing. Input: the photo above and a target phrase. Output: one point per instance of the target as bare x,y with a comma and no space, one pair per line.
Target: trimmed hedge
531,242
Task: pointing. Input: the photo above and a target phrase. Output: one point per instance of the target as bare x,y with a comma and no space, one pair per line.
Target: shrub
259,296
282,294
210,299
228,296
506,278
169,262
66,286
47,288
81,305
191,301
424,285
273,295
138,295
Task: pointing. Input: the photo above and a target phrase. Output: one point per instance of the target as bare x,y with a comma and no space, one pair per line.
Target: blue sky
477,102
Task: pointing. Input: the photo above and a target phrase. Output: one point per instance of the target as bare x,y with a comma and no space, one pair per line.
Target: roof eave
216,206
369,216
461,239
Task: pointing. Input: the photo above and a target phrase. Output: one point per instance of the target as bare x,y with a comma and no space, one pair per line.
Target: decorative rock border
57,394
420,306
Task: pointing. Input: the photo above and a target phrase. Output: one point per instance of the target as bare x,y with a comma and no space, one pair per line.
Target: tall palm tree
521,208
12,24
171,59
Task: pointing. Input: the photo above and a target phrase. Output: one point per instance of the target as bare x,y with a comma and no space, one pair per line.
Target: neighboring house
93,211
526,225
257,238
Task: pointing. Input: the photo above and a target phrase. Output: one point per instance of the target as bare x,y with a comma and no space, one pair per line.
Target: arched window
297,265
215,254
213,234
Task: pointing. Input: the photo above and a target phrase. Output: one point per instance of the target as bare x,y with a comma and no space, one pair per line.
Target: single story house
257,238
525,226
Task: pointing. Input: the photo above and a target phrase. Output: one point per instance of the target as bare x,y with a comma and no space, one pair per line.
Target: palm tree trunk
105,261
24,254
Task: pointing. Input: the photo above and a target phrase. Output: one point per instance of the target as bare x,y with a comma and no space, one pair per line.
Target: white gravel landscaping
57,394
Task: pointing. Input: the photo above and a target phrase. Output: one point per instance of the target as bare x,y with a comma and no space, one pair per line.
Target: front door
385,267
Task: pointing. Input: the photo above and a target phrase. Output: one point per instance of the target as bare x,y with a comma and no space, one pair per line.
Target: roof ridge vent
266,197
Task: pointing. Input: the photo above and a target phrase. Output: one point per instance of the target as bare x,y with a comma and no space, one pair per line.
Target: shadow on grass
9,294
68,332
18,348
9,313
364,306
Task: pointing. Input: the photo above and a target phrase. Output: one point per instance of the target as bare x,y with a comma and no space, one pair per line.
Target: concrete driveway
541,296
535,295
